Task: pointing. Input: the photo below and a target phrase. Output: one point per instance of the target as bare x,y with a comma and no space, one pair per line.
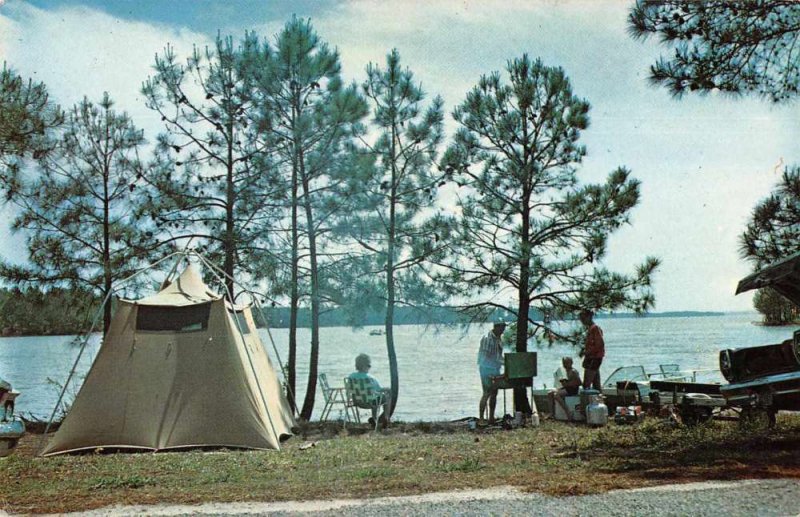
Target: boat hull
779,391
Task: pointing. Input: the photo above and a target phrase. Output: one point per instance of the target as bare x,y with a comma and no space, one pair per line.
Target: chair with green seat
361,394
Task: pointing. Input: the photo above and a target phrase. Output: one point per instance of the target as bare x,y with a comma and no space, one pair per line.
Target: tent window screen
241,320
173,319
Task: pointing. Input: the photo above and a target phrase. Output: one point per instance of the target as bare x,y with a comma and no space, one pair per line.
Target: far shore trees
531,235
76,209
731,46
389,220
214,174
772,234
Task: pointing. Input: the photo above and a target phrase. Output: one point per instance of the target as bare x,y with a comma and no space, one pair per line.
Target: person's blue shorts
487,372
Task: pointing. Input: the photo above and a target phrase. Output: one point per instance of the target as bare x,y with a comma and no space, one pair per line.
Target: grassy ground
555,458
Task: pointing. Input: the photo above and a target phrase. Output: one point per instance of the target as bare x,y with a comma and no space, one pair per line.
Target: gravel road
751,497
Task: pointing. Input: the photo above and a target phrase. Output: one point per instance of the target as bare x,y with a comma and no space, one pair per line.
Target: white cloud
79,51
703,162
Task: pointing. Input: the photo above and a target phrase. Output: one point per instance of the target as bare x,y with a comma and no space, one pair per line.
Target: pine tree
388,217
27,117
772,234
733,46
528,226
214,173
314,115
78,210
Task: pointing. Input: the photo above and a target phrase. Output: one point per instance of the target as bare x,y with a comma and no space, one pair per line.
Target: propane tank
597,412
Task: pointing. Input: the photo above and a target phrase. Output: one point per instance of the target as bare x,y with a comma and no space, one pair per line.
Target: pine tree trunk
106,254
394,374
291,366
389,326
521,394
230,243
313,366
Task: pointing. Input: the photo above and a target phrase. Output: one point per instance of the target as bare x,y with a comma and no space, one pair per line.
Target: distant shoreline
278,324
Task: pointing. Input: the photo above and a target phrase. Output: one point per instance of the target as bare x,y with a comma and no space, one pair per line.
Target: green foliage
40,313
213,173
776,309
27,117
397,184
530,230
772,234
733,46
77,210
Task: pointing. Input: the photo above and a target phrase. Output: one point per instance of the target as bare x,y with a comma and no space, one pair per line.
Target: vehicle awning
783,276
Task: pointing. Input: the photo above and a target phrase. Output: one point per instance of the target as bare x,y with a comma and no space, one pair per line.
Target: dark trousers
591,373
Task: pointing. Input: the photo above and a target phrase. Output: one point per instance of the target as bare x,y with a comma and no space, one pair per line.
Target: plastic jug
559,374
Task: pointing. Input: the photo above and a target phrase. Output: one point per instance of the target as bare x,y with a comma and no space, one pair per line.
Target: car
766,379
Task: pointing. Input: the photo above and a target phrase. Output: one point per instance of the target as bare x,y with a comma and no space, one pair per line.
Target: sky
704,161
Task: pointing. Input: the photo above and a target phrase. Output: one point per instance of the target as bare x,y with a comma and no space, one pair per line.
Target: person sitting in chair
569,388
377,397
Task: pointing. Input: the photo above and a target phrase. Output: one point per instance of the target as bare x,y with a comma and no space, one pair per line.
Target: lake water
438,372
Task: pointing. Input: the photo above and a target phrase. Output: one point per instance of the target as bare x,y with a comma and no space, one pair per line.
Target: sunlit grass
355,462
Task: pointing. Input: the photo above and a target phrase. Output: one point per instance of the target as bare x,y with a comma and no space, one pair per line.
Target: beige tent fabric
162,389
187,289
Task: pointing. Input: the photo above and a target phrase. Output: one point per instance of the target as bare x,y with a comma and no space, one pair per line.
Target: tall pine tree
314,115
529,230
77,210
214,174
392,219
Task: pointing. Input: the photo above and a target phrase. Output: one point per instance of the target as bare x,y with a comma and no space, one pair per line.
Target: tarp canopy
782,276
181,368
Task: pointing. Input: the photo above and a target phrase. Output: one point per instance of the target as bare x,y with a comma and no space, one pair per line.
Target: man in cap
490,360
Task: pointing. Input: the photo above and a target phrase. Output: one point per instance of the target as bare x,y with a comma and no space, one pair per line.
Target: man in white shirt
490,360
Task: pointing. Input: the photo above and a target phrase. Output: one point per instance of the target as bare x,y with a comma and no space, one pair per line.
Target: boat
635,385
765,379
376,332
11,428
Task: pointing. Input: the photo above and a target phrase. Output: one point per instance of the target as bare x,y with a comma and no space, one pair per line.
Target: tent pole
74,367
277,354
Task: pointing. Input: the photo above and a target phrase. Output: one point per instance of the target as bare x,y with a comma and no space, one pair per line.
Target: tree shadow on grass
717,452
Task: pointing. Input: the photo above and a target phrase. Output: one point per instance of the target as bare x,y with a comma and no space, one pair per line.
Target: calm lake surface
438,372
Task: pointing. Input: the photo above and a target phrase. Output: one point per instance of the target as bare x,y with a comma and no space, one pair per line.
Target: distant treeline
54,312
278,317
69,311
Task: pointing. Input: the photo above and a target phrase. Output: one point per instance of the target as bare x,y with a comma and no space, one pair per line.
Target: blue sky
703,161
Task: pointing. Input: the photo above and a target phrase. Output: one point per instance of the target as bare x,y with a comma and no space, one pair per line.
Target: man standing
490,359
594,351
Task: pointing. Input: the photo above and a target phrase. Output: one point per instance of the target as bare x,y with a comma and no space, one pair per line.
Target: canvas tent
180,368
